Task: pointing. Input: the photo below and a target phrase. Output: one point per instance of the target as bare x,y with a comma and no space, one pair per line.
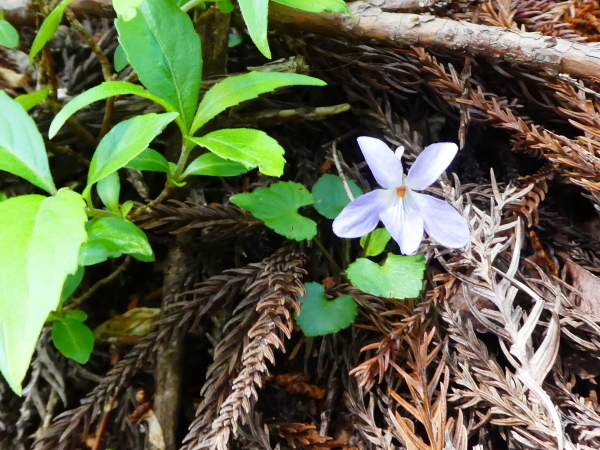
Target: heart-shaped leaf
320,316
330,195
40,239
374,243
398,277
278,206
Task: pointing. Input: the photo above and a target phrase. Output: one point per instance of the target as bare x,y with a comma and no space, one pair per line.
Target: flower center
401,191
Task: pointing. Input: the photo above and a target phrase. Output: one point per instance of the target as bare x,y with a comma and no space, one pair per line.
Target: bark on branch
372,23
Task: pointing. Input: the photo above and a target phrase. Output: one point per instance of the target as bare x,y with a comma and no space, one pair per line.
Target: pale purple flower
404,212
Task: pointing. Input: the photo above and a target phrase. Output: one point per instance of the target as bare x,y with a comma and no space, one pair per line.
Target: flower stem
327,255
366,246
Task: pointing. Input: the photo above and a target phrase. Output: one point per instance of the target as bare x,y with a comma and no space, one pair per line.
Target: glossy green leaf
330,195
124,142
73,339
164,49
256,14
214,166
149,160
375,241
109,189
277,206
22,150
111,237
28,101
71,284
127,9
253,148
225,6
398,277
40,239
9,36
239,88
120,58
48,28
317,5
102,91
320,316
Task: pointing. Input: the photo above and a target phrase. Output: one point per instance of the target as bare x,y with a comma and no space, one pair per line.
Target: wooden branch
372,23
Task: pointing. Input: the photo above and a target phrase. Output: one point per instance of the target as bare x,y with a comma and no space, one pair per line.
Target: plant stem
189,5
327,255
366,246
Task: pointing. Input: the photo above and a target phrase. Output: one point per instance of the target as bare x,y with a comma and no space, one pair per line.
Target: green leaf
256,14
277,206
75,314
377,242
330,195
214,166
320,316
48,28
22,150
149,160
71,284
225,6
111,237
9,36
124,142
398,277
39,245
164,49
120,58
73,339
239,88
28,101
102,91
253,148
109,189
317,5
127,8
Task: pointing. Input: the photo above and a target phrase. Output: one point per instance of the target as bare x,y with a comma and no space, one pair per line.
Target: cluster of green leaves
46,241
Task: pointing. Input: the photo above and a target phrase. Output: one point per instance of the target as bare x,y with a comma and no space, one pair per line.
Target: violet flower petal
360,216
430,165
382,161
403,220
443,222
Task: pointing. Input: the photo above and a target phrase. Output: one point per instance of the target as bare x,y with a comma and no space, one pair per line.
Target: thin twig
102,426
338,166
77,301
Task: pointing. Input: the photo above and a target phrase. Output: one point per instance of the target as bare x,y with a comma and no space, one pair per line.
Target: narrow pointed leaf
239,88
100,92
253,148
48,28
22,150
317,5
124,142
256,14
164,49
39,246
214,166
149,160
28,101
109,189
9,36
